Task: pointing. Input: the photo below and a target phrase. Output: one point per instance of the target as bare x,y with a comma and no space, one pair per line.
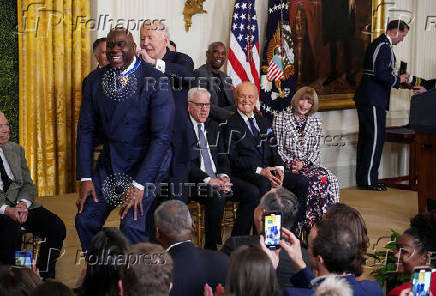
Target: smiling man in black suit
253,152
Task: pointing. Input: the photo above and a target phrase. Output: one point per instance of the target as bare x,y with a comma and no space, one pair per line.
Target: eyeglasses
201,105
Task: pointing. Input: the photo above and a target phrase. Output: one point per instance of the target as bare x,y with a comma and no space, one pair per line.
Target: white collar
130,67
176,244
245,117
389,38
195,122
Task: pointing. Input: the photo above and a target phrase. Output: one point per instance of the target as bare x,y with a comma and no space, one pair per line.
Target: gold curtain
54,57
378,18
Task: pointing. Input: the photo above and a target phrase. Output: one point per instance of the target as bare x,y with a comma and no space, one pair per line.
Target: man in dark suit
193,266
332,249
252,148
276,200
19,209
99,51
210,169
179,70
217,82
372,101
136,121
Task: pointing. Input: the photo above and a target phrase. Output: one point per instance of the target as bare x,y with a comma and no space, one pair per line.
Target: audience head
199,104
417,243
154,38
305,101
103,268
333,286
52,288
4,129
277,200
342,214
216,55
332,248
250,272
149,271
397,31
17,281
173,223
99,50
120,48
172,46
246,95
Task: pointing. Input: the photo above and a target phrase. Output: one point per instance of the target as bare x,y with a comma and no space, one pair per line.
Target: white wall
338,153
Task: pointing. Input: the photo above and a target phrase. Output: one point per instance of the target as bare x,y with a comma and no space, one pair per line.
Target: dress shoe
371,187
382,186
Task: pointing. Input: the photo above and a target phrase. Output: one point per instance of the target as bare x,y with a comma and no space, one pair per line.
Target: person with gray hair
193,266
217,82
211,174
276,200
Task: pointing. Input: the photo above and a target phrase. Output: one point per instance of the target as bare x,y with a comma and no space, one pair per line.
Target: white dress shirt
11,176
245,117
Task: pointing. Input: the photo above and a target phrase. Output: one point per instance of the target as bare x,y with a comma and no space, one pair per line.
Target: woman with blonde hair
298,133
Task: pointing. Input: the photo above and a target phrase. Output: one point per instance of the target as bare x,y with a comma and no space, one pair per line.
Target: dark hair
284,201
17,281
423,230
97,43
52,288
103,268
173,44
250,272
342,214
151,275
336,244
397,24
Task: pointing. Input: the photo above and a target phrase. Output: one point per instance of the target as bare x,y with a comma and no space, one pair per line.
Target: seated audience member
193,266
342,214
332,250
416,247
149,271
18,209
298,133
52,288
211,166
333,286
250,272
217,82
421,85
17,281
99,50
276,200
253,149
102,267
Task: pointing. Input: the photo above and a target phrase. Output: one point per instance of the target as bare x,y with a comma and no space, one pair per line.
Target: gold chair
30,241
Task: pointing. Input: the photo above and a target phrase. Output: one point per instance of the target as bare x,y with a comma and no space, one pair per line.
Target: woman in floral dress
298,134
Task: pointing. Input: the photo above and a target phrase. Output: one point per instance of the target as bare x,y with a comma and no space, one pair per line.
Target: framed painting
330,39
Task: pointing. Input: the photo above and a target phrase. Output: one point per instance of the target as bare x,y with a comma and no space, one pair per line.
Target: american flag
275,69
244,60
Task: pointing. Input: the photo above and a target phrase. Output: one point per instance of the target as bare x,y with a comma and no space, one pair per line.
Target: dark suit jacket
22,186
205,79
303,278
136,132
194,267
285,269
378,75
216,146
242,147
179,68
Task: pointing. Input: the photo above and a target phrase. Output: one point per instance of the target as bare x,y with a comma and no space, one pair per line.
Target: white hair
334,286
197,90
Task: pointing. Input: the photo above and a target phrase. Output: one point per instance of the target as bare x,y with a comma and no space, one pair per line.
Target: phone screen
272,227
24,258
421,280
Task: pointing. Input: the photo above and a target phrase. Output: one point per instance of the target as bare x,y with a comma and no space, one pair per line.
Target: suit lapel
13,160
248,133
228,93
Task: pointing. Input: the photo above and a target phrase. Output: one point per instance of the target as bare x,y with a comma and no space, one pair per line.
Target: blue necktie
204,153
256,134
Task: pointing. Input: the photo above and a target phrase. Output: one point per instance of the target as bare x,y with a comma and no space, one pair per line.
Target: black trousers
372,125
297,184
41,222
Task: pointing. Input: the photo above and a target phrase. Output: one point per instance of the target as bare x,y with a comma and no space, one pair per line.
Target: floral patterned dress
299,139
